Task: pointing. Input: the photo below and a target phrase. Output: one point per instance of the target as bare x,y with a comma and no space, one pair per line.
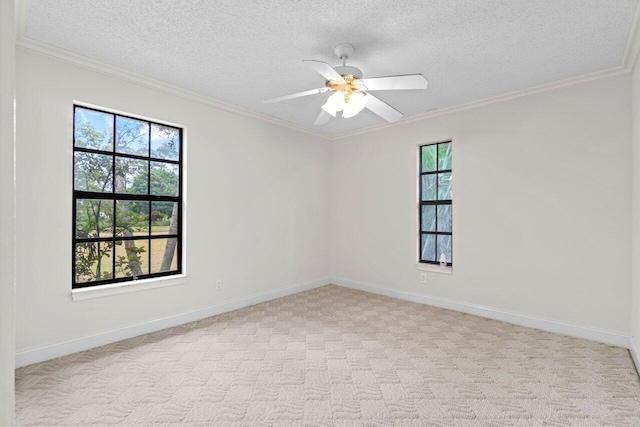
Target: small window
435,237
127,198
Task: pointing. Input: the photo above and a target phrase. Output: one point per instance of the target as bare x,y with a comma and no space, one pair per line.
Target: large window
435,213
127,198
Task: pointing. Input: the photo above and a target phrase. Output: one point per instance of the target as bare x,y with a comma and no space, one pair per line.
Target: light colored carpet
334,356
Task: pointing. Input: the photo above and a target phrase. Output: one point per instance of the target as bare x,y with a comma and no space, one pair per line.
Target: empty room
319,213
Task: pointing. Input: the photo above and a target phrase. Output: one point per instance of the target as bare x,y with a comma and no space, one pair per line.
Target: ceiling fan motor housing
345,70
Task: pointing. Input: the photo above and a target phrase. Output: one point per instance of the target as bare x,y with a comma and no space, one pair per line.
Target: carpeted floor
334,356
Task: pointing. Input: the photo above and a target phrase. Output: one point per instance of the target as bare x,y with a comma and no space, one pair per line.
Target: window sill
433,268
126,287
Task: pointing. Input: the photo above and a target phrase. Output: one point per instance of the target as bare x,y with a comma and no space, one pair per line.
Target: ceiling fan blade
323,68
383,109
323,118
409,81
295,95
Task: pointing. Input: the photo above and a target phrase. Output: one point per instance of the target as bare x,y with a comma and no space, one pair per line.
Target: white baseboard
40,354
635,355
598,335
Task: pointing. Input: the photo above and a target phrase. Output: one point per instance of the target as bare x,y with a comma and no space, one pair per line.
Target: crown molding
547,87
50,50
632,48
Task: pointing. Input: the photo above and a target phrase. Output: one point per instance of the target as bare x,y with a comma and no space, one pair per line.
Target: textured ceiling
242,52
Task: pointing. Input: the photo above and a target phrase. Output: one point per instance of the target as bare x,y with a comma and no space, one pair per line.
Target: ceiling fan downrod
342,51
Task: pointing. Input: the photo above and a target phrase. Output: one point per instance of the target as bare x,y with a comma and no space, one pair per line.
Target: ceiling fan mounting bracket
342,51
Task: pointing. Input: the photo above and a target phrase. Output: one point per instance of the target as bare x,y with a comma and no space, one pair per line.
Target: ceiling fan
351,93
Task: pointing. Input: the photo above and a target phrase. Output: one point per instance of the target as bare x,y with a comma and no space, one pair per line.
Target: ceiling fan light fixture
351,92
356,103
335,103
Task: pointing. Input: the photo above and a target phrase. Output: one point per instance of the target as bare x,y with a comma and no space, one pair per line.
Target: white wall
541,205
7,326
635,197
257,204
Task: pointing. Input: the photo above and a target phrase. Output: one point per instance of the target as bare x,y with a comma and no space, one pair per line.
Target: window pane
164,218
164,179
444,246
132,136
93,261
93,172
444,186
120,158
94,218
428,158
132,258
93,129
429,187
132,218
165,142
428,247
444,218
429,218
131,176
163,255
444,156
436,188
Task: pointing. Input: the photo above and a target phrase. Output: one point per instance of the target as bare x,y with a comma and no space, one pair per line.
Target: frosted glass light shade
357,102
334,104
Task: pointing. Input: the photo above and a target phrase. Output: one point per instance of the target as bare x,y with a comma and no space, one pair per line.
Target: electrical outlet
423,278
218,284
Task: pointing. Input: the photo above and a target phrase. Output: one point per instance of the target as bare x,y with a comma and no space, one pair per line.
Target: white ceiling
242,52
